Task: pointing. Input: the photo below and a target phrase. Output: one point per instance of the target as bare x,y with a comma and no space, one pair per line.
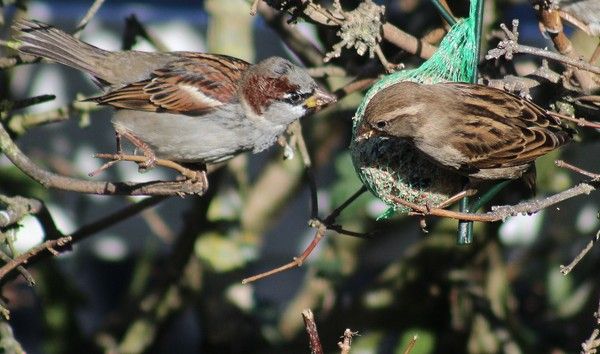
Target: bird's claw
148,164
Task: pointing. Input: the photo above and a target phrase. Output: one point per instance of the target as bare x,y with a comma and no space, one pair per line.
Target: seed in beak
319,99
364,132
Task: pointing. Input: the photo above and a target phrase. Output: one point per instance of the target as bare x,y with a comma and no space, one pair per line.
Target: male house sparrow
184,106
474,130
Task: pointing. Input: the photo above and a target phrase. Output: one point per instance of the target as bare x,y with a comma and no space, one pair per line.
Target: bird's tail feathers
42,40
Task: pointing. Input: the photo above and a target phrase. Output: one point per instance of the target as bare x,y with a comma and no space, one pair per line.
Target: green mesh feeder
389,168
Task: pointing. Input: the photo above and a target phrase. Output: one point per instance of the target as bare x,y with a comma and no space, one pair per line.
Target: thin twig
578,63
413,45
445,12
52,180
596,55
588,98
20,123
356,85
550,19
116,217
306,160
496,214
563,164
327,71
311,330
501,212
254,7
88,16
17,208
158,225
28,277
336,212
296,262
346,344
184,171
567,269
321,228
593,342
86,230
510,45
9,105
579,121
48,246
411,345
575,22
133,28
306,51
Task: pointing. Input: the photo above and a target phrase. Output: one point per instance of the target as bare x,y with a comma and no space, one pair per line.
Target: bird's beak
319,99
365,132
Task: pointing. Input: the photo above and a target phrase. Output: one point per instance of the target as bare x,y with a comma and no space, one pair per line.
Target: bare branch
88,17
567,269
549,17
17,208
411,344
579,121
190,174
322,227
22,259
254,7
82,233
510,45
563,164
20,123
317,14
28,277
346,344
501,212
52,180
311,330
308,53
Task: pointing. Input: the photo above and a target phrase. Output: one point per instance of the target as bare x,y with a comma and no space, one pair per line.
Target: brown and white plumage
185,106
475,130
192,84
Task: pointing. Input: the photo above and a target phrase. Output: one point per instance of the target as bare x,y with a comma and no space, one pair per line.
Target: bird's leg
202,178
150,161
116,158
195,173
467,192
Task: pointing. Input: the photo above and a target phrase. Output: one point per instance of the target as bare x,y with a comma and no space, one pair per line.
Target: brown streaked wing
193,84
507,131
131,96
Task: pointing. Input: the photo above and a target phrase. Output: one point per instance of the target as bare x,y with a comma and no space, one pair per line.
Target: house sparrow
477,131
183,106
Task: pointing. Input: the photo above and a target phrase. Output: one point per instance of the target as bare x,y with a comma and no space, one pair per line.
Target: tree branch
510,45
52,180
501,212
24,258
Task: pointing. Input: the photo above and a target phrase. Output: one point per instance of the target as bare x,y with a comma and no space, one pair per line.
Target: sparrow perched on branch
183,106
474,130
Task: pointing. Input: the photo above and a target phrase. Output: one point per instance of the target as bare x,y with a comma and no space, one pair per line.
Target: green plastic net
391,168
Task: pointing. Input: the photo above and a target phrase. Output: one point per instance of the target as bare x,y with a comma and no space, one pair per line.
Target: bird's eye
294,98
381,124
